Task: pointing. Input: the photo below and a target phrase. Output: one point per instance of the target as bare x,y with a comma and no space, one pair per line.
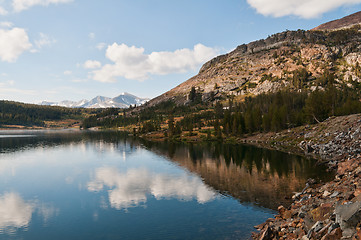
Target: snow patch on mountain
124,100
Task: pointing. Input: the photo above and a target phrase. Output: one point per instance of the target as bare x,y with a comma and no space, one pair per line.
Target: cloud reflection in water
130,189
16,213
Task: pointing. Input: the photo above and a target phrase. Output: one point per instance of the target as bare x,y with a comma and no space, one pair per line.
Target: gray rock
334,194
348,216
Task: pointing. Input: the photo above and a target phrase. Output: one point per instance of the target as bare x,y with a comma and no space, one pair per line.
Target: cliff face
269,65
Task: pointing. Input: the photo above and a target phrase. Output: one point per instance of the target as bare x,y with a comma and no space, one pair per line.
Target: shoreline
330,210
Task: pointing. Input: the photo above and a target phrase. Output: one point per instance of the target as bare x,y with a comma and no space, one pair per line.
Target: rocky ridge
345,22
269,65
321,211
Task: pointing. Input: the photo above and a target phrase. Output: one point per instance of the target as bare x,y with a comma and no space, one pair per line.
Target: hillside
15,115
291,59
345,22
296,91
290,79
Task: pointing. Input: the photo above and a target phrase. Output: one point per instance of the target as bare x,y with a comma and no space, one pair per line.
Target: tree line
262,113
15,113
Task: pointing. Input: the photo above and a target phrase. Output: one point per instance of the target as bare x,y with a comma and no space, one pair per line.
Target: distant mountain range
124,100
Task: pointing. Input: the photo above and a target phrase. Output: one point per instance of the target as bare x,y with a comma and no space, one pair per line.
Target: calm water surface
105,185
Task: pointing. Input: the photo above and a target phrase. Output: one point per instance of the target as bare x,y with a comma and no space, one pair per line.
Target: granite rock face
269,65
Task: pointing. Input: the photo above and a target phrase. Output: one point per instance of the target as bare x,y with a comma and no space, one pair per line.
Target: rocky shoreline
321,210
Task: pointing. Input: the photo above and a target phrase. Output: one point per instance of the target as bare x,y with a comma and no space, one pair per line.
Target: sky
54,50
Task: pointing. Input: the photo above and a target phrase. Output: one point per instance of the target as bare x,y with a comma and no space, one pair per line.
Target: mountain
345,22
124,100
292,59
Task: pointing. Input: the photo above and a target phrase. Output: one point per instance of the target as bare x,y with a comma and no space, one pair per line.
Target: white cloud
8,92
132,63
303,9
44,40
3,12
78,80
131,189
68,72
91,64
9,82
21,5
101,46
91,35
6,83
13,43
6,24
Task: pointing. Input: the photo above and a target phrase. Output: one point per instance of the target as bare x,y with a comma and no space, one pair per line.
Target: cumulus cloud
131,189
133,63
13,43
303,9
6,24
68,72
3,12
21,5
91,64
44,40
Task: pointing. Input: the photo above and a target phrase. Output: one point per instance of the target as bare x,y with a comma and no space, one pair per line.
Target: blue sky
77,49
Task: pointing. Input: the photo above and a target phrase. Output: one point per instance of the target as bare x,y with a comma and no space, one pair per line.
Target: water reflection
130,189
16,213
15,140
87,177
252,175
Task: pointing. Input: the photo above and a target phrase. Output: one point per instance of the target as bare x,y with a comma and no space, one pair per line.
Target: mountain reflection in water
75,184
253,175
260,176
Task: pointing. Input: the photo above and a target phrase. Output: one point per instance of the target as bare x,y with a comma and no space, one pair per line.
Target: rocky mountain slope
345,22
291,59
124,100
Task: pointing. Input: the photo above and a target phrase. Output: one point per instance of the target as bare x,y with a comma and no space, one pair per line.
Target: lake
106,185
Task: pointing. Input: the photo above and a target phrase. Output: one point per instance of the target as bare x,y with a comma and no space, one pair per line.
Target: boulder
348,216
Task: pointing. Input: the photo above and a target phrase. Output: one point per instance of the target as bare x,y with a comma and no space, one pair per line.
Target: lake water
105,185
